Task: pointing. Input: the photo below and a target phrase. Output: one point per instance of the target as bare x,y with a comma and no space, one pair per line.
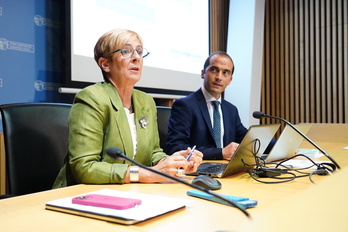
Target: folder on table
151,206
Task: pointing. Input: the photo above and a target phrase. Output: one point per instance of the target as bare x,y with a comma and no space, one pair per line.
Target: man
192,118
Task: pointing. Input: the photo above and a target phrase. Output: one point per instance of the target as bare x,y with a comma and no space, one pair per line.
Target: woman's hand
176,165
194,161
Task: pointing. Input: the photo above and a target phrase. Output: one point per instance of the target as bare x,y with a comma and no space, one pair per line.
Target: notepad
151,206
311,153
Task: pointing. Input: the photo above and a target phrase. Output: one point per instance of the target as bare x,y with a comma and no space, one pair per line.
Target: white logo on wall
17,46
0,11
41,21
42,86
0,82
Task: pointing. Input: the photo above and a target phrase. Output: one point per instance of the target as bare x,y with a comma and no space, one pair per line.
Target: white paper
151,206
301,163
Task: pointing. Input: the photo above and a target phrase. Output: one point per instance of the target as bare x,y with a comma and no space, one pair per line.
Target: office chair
35,137
163,114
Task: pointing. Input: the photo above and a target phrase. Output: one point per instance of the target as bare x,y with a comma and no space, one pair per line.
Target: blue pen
190,154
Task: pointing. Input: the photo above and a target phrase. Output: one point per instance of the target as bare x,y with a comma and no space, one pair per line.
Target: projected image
175,32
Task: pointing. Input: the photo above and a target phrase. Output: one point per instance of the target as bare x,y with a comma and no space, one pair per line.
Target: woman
114,114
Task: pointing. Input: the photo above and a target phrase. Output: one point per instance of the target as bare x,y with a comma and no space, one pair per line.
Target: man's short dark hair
207,61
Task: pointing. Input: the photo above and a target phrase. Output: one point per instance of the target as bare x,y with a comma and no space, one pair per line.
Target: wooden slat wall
218,22
305,77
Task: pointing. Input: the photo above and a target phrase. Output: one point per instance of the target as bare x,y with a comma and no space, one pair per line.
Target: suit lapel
142,117
225,117
121,120
204,110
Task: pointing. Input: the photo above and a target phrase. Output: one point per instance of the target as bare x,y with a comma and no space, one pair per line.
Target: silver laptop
260,134
288,143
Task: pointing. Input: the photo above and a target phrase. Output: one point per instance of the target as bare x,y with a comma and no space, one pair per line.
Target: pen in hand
190,154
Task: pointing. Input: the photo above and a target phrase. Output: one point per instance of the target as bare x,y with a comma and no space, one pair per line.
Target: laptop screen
288,143
255,142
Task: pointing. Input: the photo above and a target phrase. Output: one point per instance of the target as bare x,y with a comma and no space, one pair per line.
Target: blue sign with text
32,50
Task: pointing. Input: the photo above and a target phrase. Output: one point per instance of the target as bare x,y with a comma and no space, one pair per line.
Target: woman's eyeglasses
127,51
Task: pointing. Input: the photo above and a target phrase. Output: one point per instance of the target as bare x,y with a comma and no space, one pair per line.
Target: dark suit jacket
190,125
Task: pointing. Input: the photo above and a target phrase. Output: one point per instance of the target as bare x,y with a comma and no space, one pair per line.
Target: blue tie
216,124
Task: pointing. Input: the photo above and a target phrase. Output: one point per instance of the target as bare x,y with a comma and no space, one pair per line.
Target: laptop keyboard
208,167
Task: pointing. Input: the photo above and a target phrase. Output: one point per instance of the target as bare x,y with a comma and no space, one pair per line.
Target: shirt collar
208,97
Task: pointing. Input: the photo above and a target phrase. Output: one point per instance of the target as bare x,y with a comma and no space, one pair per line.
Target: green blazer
97,121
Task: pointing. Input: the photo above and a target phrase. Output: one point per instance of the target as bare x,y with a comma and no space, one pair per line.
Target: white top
132,127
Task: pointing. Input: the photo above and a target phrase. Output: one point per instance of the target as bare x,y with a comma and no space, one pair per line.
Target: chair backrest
163,114
35,137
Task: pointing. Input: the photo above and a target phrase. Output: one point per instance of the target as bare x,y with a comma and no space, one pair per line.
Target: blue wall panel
32,50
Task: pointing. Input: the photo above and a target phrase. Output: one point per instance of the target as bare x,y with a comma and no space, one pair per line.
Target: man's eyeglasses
127,51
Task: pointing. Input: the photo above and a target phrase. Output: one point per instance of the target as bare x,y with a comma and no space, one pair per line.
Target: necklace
130,108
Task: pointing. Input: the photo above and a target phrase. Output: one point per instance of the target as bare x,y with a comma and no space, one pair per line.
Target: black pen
190,154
